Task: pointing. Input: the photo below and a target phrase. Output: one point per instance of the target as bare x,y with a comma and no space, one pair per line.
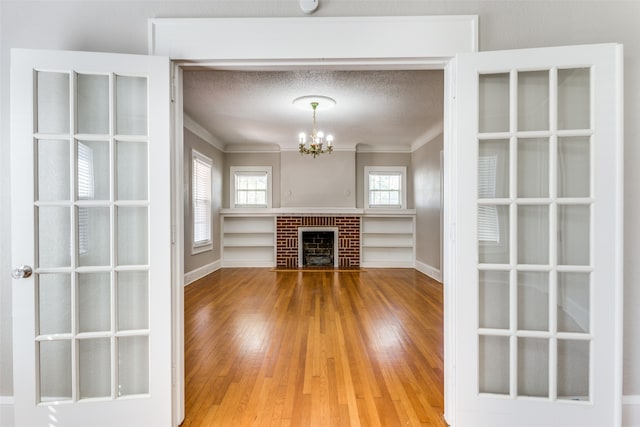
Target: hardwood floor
266,348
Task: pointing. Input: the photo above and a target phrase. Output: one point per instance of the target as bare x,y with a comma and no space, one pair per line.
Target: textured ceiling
374,109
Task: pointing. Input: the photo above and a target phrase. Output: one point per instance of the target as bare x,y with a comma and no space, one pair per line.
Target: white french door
539,237
91,221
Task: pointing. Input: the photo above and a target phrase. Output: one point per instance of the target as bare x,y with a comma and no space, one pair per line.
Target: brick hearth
348,238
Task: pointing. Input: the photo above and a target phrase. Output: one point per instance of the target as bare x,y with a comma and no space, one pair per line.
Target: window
250,187
385,187
201,198
85,192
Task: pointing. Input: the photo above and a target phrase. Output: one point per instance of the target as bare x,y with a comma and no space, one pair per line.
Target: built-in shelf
248,240
388,241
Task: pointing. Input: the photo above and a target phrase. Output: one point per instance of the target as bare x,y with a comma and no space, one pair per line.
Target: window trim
232,185
205,245
402,170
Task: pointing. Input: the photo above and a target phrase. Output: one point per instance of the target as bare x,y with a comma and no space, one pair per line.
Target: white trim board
6,411
428,270
631,410
200,272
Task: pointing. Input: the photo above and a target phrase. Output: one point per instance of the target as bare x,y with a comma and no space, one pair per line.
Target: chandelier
317,138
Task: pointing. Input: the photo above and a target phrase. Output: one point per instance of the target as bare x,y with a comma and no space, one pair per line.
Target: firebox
318,246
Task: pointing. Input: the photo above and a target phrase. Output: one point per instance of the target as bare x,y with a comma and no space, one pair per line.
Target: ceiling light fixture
316,138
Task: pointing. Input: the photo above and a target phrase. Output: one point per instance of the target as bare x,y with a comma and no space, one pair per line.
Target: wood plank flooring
267,348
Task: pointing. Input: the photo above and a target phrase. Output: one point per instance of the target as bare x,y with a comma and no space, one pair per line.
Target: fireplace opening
317,247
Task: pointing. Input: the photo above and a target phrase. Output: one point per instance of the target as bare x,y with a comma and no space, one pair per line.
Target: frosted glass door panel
133,364
131,105
493,169
94,236
574,306
533,167
573,234
574,98
54,237
574,164
132,236
93,104
93,170
533,234
55,370
533,100
533,367
133,300
94,302
53,170
494,102
533,300
493,368
52,103
54,302
493,234
573,369
494,299
95,368
132,170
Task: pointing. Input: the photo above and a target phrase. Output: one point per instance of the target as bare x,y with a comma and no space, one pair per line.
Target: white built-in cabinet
248,240
387,240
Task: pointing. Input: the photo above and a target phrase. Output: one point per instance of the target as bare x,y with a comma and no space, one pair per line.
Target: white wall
121,26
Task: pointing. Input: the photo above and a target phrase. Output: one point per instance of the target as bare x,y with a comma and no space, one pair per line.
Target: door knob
22,272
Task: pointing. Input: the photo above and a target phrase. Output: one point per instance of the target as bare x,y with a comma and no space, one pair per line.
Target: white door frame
347,43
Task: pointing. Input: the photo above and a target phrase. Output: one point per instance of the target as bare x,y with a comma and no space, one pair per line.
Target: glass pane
133,364
533,100
93,170
54,237
533,234
493,169
533,167
55,370
493,102
132,236
53,102
53,170
533,367
131,105
95,368
574,160
493,369
133,300
132,170
94,232
93,104
573,370
494,299
54,303
533,300
94,302
493,234
574,99
573,302
573,234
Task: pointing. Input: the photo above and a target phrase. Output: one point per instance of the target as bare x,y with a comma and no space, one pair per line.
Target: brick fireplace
348,238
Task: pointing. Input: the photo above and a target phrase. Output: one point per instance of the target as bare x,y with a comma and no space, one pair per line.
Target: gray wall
427,185
191,142
122,27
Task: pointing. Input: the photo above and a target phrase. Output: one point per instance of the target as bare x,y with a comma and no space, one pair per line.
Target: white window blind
201,195
85,192
488,223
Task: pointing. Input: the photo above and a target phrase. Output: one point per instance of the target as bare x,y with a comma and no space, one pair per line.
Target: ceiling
374,111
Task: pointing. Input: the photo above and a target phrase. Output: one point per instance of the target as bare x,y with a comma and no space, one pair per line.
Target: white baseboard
631,410
430,271
199,273
6,411
248,263
386,264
